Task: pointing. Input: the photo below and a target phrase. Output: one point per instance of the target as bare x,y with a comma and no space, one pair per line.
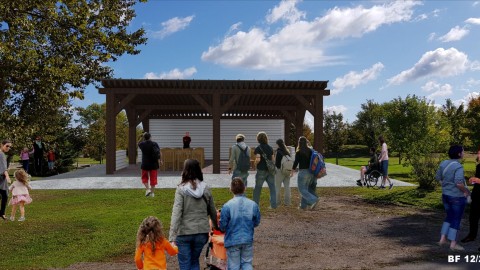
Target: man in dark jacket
151,160
38,153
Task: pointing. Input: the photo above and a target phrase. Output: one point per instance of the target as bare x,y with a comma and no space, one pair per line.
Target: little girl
25,158
20,194
151,243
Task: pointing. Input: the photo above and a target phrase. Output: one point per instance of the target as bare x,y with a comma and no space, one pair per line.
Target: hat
239,136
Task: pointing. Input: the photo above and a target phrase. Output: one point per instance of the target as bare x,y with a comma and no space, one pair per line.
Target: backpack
243,162
287,164
156,151
317,165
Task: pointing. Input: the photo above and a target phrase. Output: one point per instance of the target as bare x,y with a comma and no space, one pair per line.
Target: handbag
270,165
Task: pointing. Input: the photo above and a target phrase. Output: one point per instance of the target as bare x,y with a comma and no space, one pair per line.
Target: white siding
121,159
169,132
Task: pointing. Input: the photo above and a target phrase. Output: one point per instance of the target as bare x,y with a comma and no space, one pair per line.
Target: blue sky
376,50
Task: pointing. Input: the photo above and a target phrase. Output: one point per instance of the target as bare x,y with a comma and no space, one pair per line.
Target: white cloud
300,44
353,79
286,11
172,74
473,82
454,34
475,65
437,90
466,99
173,25
473,21
431,36
336,108
476,3
441,63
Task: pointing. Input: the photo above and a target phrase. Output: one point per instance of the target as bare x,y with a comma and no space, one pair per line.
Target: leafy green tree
457,119
370,122
50,51
418,131
334,132
473,121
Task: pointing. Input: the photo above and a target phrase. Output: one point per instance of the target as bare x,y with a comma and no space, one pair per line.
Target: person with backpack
284,164
151,160
306,179
265,170
239,163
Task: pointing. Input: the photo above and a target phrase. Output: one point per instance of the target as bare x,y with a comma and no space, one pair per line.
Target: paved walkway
94,177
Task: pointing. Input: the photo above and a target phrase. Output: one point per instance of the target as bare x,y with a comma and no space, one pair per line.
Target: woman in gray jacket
189,226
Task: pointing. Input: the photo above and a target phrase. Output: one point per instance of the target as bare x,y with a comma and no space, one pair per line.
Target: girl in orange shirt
151,243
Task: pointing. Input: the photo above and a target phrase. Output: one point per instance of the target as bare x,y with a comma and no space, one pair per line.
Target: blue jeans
306,182
189,249
279,179
260,178
240,257
454,207
243,175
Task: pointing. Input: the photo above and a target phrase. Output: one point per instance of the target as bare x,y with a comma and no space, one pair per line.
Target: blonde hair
151,230
22,176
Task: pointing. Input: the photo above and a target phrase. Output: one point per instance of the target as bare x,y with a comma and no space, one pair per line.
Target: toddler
20,195
151,243
51,159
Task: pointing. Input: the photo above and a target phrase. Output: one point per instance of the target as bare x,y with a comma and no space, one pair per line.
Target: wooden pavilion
145,99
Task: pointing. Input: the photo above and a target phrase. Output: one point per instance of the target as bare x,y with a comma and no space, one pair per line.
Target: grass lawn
68,226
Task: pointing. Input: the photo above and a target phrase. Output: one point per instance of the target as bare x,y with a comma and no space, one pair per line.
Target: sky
366,50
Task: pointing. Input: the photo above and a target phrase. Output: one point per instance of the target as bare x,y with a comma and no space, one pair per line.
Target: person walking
282,176
151,160
383,159
454,196
4,177
20,195
305,178
263,151
238,219
38,153
51,160
151,245
192,207
239,156
474,215
25,158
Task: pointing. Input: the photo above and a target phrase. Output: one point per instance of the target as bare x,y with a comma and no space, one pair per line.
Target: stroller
216,254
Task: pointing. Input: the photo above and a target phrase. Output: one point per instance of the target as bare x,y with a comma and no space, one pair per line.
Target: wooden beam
124,102
289,116
111,143
273,91
216,133
303,101
202,102
132,135
142,116
201,108
318,124
229,103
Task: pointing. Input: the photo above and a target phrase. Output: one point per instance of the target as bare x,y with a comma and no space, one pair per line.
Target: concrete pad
94,177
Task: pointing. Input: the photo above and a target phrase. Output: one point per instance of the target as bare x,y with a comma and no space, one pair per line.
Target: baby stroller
216,254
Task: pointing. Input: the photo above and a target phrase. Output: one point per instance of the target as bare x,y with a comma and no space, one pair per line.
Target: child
25,158
20,194
51,159
151,243
238,218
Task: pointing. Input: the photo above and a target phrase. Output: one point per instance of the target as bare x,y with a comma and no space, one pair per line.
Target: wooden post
132,135
216,113
318,123
111,143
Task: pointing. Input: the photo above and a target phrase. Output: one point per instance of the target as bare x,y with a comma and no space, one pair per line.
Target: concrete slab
94,177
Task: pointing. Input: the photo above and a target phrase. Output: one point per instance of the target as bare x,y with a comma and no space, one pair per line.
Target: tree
457,119
473,121
335,132
370,122
50,51
418,131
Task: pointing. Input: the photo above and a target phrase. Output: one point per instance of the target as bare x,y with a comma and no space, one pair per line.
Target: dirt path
342,233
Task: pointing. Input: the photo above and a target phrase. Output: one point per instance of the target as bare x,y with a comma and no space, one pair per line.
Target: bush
424,170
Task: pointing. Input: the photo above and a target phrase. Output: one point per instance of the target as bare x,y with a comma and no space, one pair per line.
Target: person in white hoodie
189,225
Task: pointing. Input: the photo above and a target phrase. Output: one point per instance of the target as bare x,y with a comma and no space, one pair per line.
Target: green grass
64,227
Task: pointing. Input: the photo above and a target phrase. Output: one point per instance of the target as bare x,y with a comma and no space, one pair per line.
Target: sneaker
148,192
21,219
457,248
152,194
314,204
12,218
442,243
381,187
391,186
